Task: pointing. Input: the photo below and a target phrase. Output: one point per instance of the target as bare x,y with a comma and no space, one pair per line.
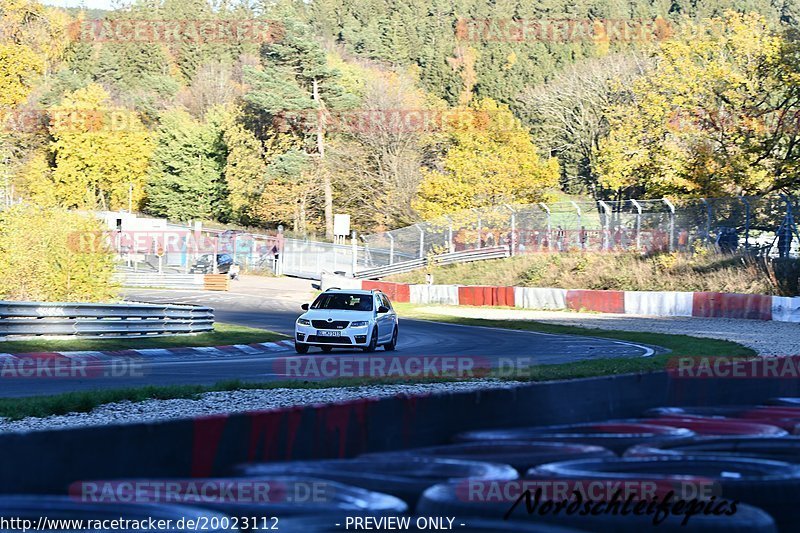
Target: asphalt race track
277,308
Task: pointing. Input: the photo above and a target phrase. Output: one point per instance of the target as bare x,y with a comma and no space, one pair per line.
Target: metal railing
466,256
90,319
156,280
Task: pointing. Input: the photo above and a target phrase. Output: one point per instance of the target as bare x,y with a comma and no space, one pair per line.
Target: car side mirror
383,309
304,307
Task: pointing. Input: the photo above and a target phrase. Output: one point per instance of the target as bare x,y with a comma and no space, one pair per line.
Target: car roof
350,291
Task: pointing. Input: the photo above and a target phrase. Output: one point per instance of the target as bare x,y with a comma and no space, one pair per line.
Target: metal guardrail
165,280
466,256
64,318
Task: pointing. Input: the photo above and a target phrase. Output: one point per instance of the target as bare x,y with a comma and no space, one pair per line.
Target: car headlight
303,322
359,324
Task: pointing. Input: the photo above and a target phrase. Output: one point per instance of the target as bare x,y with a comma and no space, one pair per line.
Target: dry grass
617,271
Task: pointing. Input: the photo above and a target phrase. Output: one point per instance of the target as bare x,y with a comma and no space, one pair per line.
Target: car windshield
346,302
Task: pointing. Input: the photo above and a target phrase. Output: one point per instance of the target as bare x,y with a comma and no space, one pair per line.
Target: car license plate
323,333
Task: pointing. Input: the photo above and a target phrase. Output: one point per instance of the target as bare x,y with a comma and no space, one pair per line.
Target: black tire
300,348
520,455
786,401
373,342
405,478
326,349
324,524
615,436
703,425
282,495
392,344
785,449
32,507
773,486
448,500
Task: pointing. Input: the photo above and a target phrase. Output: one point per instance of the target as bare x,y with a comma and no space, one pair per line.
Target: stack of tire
744,455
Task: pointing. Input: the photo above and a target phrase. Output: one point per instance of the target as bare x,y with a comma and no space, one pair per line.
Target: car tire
773,486
448,499
326,349
786,449
373,342
300,347
392,344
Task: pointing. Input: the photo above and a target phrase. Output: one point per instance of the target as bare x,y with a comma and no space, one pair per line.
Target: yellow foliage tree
715,116
101,152
490,160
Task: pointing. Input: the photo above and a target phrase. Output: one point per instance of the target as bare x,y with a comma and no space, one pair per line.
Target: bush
53,255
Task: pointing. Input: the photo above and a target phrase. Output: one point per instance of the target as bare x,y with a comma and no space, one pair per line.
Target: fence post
746,203
354,251
480,227
421,241
708,219
671,222
512,240
549,228
638,207
606,225
580,216
450,244
391,247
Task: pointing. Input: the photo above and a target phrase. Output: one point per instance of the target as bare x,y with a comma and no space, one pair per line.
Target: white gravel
766,337
234,402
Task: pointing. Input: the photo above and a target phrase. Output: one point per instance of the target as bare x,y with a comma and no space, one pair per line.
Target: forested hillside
393,111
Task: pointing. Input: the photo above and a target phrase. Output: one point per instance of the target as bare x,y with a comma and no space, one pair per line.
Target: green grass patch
679,345
223,334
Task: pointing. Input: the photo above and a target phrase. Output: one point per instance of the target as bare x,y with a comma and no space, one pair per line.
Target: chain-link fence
761,224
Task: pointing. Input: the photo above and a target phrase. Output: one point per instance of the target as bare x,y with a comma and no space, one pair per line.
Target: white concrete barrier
342,282
540,298
786,308
661,303
434,294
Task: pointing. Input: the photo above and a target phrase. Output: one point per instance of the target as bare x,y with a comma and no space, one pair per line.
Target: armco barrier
49,461
434,294
479,295
786,308
540,298
95,319
658,303
598,301
397,292
724,305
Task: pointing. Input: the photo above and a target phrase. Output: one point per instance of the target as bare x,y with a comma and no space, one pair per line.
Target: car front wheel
373,342
300,348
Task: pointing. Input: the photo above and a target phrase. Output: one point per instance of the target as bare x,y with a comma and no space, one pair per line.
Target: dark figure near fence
727,240
784,240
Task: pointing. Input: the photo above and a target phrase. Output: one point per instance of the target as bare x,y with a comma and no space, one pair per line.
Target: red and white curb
158,353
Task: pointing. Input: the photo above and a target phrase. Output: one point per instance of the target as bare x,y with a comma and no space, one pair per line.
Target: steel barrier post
549,228
638,207
450,244
708,219
353,250
606,225
513,239
671,222
746,203
421,241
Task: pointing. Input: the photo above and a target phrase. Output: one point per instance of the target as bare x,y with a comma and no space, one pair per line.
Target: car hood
334,314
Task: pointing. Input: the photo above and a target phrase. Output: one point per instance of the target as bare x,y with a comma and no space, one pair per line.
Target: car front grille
324,324
328,340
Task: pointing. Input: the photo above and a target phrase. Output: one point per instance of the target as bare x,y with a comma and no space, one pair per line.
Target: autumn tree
490,160
717,115
101,153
